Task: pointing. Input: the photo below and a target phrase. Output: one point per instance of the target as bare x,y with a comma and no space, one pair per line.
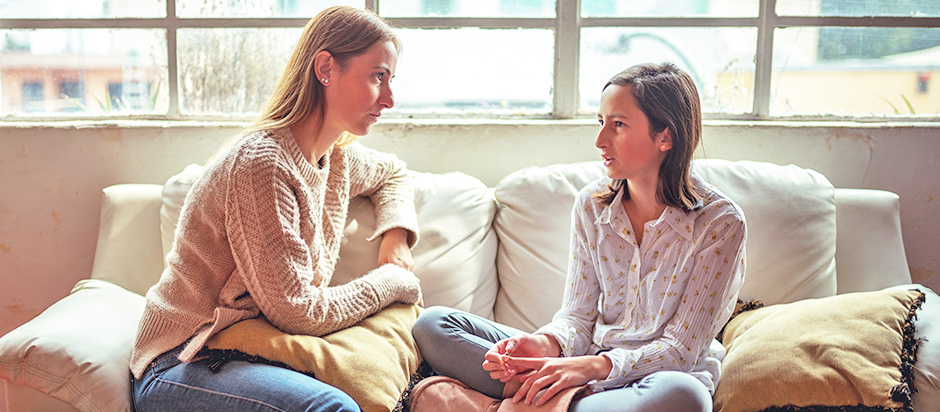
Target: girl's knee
429,324
685,392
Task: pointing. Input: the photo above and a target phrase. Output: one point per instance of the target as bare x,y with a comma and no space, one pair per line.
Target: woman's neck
313,139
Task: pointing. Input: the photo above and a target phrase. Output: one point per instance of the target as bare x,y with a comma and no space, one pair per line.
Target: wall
51,177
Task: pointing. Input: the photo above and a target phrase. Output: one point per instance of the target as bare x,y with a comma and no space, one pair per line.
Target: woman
260,231
657,262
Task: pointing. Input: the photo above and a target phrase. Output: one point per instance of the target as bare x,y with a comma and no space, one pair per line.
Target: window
209,59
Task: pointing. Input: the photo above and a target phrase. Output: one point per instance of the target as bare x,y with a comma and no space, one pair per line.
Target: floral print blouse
656,306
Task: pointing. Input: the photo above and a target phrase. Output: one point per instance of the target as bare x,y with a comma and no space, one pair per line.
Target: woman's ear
323,66
664,139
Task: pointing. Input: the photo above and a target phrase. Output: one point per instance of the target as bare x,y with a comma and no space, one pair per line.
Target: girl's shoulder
716,205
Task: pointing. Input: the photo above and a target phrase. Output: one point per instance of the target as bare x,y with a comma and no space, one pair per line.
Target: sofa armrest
129,253
869,247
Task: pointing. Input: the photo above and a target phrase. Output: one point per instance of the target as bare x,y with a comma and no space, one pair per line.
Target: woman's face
628,150
359,90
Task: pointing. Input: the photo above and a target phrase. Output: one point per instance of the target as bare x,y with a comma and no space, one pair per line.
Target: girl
657,262
260,230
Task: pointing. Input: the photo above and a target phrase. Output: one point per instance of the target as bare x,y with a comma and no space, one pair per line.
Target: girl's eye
619,124
600,121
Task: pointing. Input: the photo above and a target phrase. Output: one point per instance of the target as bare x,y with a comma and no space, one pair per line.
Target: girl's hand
554,375
394,249
522,345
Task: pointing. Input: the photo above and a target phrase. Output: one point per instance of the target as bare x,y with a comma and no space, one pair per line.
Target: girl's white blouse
657,306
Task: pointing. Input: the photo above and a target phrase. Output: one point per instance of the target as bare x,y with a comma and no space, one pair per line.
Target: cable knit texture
260,232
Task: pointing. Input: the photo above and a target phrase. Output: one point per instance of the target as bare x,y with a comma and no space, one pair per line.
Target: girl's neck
642,204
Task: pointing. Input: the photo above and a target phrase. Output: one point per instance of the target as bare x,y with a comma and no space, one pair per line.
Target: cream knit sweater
260,232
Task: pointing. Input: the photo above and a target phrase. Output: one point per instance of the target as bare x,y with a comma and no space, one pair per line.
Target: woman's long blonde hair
344,32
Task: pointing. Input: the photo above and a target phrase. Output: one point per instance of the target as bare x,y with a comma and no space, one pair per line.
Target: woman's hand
394,249
522,345
556,374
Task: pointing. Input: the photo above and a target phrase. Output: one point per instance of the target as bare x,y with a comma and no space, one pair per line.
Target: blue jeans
454,343
171,385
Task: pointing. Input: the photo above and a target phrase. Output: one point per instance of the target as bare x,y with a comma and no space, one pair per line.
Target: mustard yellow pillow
371,361
853,351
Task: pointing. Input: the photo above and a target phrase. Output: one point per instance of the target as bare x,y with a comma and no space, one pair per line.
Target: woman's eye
600,121
619,124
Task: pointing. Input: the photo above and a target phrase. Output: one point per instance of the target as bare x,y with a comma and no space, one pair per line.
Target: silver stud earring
325,81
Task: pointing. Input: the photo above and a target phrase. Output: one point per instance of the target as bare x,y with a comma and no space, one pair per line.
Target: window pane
856,71
669,8
231,71
81,9
86,72
473,71
721,60
467,8
858,8
257,8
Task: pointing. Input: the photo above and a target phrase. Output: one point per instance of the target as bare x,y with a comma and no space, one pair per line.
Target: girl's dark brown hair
668,97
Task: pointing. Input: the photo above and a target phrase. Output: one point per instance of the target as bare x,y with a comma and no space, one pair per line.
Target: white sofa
499,252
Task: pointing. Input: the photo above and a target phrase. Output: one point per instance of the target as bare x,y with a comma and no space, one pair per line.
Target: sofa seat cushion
852,350
454,258
78,350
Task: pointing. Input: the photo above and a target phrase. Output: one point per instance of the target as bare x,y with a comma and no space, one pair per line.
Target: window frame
567,25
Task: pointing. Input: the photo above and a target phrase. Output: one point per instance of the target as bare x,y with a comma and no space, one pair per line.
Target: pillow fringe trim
216,358
404,401
904,391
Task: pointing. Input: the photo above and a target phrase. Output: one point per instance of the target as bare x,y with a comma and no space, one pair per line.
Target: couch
499,252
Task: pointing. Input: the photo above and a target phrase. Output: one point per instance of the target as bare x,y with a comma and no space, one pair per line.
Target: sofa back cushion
456,252
790,214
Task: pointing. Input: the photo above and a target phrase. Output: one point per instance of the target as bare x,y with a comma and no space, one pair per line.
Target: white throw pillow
454,257
174,193
790,214
78,350
534,228
791,227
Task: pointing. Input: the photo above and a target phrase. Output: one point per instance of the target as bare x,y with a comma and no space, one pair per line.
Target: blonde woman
260,231
657,259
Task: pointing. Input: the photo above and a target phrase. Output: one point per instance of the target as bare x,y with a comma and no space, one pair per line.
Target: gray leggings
454,343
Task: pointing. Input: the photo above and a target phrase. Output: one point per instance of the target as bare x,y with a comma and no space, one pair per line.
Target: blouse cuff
622,362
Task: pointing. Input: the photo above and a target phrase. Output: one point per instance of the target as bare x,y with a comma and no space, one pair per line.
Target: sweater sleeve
280,270
384,179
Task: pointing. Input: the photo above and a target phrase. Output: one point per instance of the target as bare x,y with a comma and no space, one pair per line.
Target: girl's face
628,150
359,90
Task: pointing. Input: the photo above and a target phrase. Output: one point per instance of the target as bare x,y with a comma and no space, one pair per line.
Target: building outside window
751,59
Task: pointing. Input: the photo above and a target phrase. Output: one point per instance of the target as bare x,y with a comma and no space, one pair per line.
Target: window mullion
567,58
173,92
763,65
374,6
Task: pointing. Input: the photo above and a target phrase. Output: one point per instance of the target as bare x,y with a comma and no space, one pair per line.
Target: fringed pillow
850,352
371,361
